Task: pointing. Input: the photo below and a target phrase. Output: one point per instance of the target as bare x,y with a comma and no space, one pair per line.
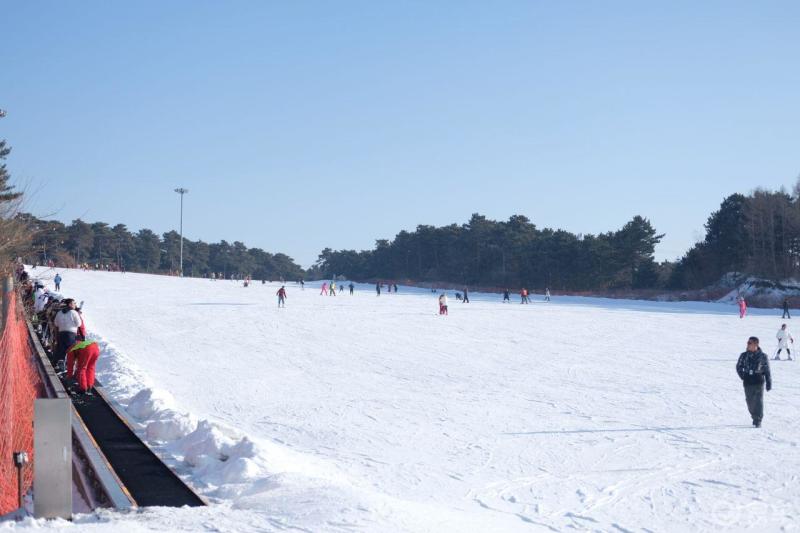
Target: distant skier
281,296
395,288
786,309
378,288
523,295
506,296
466,297
753,369
443,304
57,281
546,295
324,289
351,288
332,289
742,307
784,337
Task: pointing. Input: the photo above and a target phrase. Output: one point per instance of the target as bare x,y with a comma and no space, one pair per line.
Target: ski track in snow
376,414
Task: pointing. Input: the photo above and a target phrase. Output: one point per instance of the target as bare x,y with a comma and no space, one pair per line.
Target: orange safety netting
19,385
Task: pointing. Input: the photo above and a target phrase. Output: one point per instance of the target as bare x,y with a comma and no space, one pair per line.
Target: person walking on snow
332,289
506,296
465,299
786,309
742,307
546,295
753,369
351,288
281,297
324,289
524,295
86,354
443,304
784,337
378,288
57,281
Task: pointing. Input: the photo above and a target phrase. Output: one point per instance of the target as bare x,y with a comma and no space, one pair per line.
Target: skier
378,288
351,288
742,307
395,288
67,321
753,369
784,337
324,289
332,289
506,296
281,296
524,295
546,294
57,281
466,297
786,309
443,304
86,353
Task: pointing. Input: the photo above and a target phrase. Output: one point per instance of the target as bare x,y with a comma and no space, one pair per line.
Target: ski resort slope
377,414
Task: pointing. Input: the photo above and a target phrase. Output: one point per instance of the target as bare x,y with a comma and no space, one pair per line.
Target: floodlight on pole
181,191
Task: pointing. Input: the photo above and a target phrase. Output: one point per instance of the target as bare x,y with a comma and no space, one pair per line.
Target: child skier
784,337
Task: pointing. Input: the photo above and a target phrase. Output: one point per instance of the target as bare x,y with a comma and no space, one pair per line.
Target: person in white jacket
443,304
784,338
67,321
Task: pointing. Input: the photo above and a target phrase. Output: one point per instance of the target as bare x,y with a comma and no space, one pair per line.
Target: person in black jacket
786,308
753,369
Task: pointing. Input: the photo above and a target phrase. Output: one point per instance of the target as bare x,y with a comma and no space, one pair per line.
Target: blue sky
301,125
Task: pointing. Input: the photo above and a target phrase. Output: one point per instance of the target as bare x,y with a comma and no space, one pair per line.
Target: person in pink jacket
324,289
742,307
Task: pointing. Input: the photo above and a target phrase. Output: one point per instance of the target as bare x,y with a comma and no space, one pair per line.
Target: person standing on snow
443,304
57,281
378,288
784,337
281,297
351,288
332,289
753,369
546,295
86,354
506,296
324,289
786,309
742,307
465,299
524,295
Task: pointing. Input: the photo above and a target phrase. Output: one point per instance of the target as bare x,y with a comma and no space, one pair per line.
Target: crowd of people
59,323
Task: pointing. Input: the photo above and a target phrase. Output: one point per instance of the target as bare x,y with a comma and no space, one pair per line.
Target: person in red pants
72,360
86,353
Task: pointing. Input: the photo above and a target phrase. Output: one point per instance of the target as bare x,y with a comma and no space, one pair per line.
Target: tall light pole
181,191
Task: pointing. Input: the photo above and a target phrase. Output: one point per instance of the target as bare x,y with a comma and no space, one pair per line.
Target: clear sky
301,125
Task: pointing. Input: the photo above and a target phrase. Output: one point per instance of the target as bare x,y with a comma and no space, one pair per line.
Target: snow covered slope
377,414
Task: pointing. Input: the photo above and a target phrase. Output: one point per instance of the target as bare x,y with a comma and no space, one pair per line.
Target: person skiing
281,296
506,296
465,297
332,289
753,369
546,294
742,307
86,354
351,288
57,281
324,289
784,337
443,304
786,309
524,295
378,288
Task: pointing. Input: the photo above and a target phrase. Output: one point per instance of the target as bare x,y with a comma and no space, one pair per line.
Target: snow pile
763,292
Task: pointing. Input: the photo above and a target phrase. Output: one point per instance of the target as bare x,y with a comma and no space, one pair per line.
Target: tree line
512,253
756,234
98,243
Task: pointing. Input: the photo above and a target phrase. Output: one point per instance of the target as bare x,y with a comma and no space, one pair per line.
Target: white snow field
376,414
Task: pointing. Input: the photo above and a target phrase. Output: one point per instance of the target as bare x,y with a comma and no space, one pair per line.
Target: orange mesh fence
19,385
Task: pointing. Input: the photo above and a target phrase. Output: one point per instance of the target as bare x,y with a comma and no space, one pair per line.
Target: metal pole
181,191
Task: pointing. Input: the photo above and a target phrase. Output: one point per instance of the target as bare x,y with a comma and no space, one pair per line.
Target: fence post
8,288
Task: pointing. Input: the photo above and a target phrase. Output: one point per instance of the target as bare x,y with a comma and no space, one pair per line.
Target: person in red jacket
86,353
282,296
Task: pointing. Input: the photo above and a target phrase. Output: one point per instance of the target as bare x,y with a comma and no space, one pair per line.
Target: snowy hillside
377,414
